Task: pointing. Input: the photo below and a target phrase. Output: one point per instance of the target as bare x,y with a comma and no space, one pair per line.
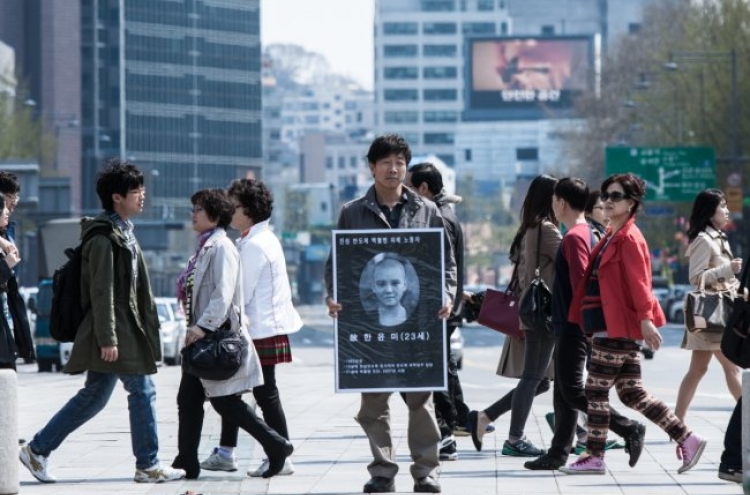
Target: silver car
173,328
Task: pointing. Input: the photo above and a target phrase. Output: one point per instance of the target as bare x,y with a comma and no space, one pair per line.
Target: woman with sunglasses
615,304
711,260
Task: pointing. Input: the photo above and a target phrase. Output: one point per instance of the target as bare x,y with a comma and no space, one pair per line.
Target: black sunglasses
615,196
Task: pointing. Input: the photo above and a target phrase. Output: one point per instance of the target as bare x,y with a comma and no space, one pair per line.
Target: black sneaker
729,474
634,443
545,463
448,449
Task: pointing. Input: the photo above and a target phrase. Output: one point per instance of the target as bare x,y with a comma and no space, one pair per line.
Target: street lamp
726,57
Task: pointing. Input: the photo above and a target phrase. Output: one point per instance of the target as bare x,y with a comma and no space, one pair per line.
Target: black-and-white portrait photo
389,288
390,284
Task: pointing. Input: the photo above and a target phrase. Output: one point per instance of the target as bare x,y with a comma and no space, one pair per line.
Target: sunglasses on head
615,196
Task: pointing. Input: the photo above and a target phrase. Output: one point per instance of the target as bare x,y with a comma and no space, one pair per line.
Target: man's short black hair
215,202
118,177
9,183
387,145
574,191
426,172
256,199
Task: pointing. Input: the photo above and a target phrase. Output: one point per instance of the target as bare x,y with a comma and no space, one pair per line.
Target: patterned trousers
617,362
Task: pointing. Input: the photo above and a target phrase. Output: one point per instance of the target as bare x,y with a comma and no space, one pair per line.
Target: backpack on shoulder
67,311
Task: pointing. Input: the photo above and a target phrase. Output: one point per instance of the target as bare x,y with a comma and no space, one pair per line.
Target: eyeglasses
196,209
615,196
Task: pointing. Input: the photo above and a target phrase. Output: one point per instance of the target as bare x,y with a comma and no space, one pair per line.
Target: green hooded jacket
122,313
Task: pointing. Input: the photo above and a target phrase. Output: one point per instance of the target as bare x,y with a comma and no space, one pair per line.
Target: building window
440,95
439,72
485,5
449,160
342,162
400,50
439,50
441,116
312,119
503,28
400,28
400,73
467,154
478,28
353,162
400,95
548,30
438,5
501,4
412,138
438,138
634,28
439,28
527,154
329,162
401,117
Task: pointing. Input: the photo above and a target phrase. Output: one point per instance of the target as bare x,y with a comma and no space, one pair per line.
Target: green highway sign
671,174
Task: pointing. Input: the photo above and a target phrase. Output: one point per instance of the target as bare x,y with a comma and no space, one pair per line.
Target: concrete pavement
331,452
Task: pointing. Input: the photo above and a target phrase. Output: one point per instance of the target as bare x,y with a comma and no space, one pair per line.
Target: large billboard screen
528,73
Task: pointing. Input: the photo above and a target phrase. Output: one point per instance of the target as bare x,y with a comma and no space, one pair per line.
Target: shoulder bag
735,343
499,310
707,311
217,356
535,309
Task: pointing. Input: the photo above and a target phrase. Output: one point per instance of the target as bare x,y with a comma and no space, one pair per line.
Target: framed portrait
391,285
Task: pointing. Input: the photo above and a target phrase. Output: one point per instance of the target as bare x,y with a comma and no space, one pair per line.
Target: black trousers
731,458
190,399
269,401
569,397
450,408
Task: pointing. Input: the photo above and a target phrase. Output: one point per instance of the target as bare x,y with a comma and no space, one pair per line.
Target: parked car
674,302
457,347
173,328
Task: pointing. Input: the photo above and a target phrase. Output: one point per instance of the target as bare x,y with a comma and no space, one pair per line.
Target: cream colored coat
709,253
217,295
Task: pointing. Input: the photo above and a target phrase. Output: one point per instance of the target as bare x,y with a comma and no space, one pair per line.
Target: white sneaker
158,474
285,471
217,462
36,464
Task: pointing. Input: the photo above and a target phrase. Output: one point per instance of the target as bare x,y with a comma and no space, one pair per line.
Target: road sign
671,174
734,199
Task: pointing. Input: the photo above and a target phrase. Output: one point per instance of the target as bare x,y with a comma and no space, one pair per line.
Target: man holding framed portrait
396,253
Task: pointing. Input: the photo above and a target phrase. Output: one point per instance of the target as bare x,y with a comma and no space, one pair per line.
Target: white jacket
265,284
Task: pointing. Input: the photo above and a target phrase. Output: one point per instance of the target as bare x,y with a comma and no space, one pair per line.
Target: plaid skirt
273,350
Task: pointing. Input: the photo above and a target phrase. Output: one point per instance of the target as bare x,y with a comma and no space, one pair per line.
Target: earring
629,208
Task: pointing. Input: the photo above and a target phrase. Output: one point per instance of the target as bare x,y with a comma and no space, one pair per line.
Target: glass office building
174,86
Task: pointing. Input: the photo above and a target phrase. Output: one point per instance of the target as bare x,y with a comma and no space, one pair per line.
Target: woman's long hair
704,207
537,206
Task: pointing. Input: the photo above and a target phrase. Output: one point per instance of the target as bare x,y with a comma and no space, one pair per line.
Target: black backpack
67,311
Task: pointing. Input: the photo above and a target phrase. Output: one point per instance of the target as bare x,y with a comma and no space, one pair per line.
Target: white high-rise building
423,57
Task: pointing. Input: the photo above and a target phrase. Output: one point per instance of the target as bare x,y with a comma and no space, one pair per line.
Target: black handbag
535,309
217,356
735,343
707,311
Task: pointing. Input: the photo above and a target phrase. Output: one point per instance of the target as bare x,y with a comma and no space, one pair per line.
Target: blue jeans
91,399
539,346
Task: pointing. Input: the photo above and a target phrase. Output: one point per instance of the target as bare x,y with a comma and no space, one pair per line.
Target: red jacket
624,283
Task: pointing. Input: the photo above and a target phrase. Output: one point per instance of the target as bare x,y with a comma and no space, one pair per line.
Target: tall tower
174,86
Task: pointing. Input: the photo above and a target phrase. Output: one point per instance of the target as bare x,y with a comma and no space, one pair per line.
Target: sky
340,30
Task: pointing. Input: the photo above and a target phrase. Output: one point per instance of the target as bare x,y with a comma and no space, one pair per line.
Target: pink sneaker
586,465
690,451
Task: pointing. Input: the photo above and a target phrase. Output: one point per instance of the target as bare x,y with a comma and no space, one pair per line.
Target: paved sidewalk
332,453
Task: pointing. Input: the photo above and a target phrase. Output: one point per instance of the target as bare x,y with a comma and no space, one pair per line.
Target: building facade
422,68
175,86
